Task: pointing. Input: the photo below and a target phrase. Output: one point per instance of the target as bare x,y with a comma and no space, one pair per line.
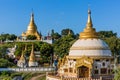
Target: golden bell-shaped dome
89,31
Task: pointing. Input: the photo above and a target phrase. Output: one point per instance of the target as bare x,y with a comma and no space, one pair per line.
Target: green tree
12,37
62,45
5,63
46,51
31,37
106,34
117,74
7,36
55,35
2,51
20,47
112,40
67,31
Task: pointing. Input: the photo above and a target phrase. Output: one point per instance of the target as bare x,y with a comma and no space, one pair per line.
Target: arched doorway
83,72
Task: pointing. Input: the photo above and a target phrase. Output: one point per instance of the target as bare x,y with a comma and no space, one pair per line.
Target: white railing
49,77
42,69
53,76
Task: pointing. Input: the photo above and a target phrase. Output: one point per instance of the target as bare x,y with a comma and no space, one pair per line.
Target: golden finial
89,21
89,31
32,16
32,55
32,24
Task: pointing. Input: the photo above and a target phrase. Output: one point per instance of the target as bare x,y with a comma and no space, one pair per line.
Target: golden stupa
32,60
89,57
22,61
32,29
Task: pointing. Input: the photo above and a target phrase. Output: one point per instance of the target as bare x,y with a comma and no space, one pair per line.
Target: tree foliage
55,35
117,74
67,31
62,45
5,63
46,51
31,37
111,39
7,36
113,42
106,34
3,49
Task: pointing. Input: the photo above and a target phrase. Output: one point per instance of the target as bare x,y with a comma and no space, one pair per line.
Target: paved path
36,77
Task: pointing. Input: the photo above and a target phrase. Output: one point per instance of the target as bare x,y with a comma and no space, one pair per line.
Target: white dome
89,47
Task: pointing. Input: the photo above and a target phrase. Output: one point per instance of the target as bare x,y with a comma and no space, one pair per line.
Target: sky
58,15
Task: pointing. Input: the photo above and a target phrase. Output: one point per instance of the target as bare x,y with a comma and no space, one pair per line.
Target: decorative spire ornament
89,31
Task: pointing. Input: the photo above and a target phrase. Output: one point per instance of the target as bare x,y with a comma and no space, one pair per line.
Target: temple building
88,57
22,62
31,30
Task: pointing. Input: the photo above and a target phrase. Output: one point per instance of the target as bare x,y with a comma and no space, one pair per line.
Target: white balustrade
28,69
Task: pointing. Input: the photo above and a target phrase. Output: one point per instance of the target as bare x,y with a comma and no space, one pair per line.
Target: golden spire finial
32,55
32,16
89,17
89,31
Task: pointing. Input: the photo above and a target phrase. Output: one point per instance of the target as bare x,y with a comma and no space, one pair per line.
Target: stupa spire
32,24
22,58
89,31
32,55
32,60
32,17
89,21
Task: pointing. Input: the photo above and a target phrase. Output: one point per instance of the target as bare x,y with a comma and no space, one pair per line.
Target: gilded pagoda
31,30
88,57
